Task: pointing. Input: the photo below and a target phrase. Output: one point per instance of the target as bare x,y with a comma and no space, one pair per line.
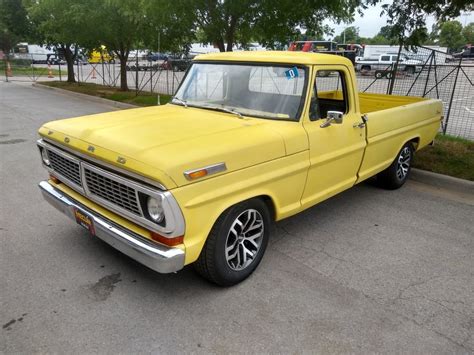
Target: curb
442,181
113,103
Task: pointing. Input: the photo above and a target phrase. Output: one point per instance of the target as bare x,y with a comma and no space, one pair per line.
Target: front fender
282,180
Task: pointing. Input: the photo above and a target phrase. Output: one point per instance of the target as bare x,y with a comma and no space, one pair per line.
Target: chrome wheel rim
403,165
244,239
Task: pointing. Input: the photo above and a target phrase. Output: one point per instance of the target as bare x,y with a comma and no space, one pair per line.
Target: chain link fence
420,72
425,72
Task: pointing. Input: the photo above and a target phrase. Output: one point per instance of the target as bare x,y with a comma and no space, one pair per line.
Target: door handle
359,125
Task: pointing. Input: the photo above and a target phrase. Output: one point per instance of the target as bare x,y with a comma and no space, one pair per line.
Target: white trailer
35,53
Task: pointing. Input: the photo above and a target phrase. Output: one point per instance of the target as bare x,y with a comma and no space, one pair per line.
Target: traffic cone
93,73
50,72
9,69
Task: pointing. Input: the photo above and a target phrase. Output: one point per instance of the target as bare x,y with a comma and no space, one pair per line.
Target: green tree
119,26
450,35
379,39
468,33
60,23
14,24
225,23
169,26
348,35
386,31
408,17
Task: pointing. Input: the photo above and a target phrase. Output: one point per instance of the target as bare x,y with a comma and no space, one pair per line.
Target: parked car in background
177,63
466,54
156,56
384,63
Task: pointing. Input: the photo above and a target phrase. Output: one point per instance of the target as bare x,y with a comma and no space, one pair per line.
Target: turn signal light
197,174
167,241
54,179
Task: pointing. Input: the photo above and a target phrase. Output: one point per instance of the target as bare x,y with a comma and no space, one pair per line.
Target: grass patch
33,71
452,156
143,99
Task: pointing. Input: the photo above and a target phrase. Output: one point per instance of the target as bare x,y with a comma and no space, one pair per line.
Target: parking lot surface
367,271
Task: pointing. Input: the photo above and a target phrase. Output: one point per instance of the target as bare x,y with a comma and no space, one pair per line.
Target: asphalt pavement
366,271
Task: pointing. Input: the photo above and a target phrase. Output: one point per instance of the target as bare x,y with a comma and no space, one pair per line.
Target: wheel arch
415,141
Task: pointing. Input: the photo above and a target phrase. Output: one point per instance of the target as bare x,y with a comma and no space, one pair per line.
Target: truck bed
392,121
378,102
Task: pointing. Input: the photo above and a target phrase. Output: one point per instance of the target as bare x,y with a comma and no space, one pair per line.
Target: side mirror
333,117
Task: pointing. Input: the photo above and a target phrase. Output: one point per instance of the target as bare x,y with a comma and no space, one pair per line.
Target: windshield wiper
223,109
181,101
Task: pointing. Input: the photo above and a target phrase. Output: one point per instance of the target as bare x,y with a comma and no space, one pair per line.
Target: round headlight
44,156
155,209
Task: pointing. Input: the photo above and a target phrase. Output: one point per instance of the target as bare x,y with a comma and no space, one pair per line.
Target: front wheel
236,243
397,173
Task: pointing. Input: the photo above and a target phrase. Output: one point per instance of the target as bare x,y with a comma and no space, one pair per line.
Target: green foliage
468,33
62,24
169,26
450,35
228,22
408,17
348,35
14,24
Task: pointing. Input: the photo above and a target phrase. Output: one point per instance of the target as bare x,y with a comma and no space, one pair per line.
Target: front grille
112,191
67,168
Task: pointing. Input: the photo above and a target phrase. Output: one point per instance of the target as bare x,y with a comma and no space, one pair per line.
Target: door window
329,94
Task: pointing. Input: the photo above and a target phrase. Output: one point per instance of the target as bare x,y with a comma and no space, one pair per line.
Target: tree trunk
230,33
220,44
123,56
68,55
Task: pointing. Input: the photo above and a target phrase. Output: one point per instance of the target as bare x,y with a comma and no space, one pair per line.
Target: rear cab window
329,94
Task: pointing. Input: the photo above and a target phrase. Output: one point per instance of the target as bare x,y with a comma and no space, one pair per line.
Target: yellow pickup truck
248,139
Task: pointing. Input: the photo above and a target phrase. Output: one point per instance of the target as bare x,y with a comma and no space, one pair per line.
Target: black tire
397,173
213,262
378,74
365,67
389,75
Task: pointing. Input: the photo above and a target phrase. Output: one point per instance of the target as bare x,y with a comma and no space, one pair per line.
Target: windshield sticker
292,73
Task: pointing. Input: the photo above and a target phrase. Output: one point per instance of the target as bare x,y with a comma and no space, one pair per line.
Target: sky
370,24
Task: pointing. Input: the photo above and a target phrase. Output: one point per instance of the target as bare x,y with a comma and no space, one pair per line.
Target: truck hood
163,142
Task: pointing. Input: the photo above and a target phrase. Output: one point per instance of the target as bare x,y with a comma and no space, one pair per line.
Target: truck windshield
265,91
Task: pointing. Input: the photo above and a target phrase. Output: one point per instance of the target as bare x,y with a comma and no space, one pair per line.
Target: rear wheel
236,243
397,173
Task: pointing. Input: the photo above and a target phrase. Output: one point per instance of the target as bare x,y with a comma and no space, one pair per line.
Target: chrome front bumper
156,256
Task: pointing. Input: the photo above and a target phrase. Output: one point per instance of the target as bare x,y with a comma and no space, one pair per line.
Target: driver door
336,149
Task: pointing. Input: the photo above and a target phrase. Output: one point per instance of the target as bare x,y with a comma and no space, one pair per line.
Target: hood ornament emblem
67,140
121,160
91,148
